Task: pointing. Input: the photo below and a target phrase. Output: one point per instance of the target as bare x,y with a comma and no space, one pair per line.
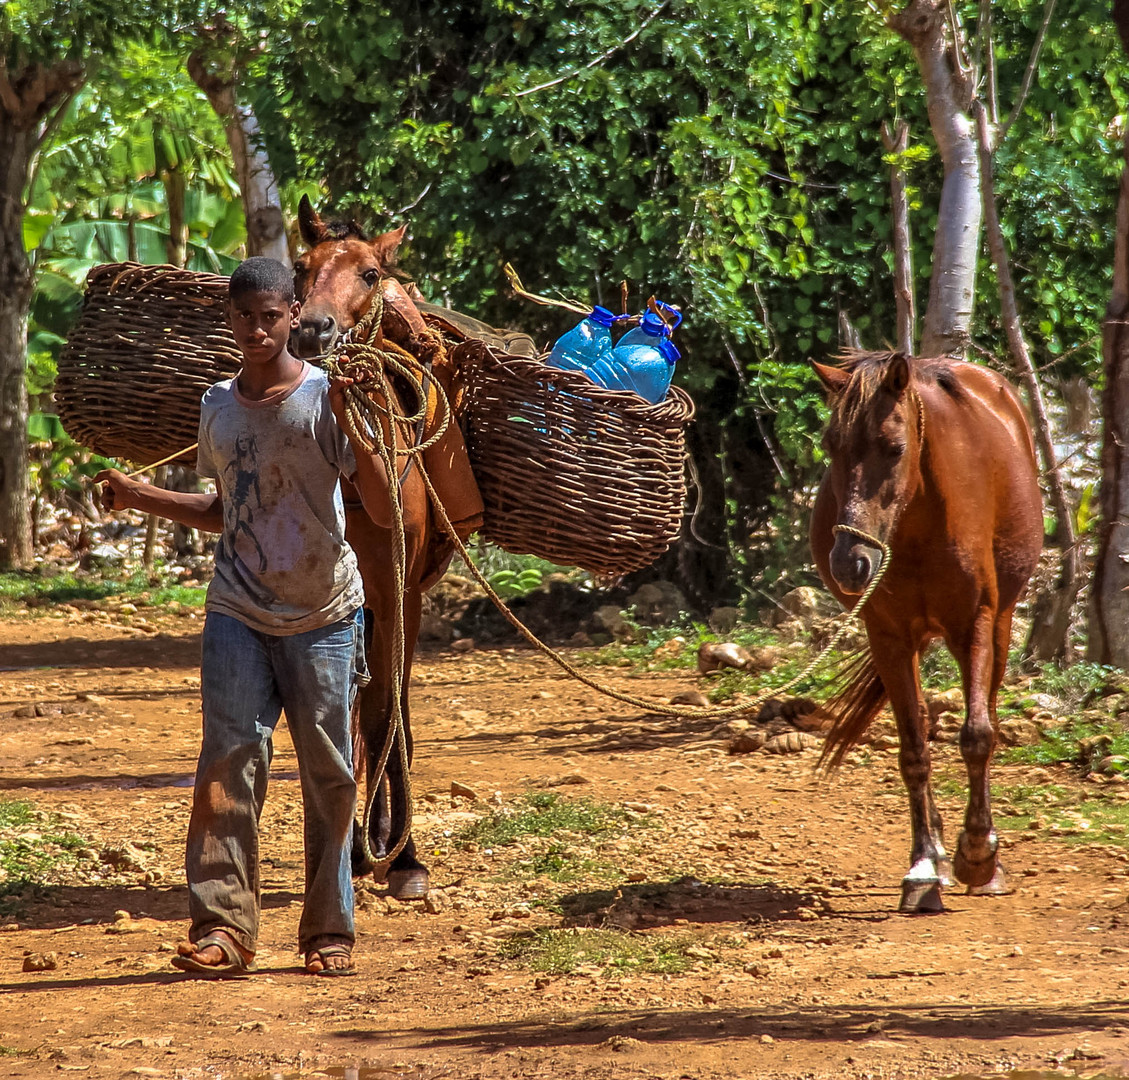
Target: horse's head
874,442
335,280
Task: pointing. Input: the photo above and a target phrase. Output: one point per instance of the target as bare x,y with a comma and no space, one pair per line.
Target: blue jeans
247,679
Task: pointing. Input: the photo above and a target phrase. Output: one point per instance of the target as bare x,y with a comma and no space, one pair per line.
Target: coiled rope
371,420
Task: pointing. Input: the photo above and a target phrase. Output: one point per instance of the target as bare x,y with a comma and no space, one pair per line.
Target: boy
283,628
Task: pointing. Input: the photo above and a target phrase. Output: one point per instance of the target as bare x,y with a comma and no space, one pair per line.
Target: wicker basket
570,471
149,342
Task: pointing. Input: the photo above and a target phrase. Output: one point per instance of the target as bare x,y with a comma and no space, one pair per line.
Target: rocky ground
687,911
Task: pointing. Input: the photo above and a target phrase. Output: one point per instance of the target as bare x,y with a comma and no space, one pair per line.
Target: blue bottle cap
602,317
653,324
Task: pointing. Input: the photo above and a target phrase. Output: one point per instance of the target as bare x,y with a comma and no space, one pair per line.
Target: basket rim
676,406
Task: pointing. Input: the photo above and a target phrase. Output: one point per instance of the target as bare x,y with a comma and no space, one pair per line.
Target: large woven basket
149,342
570,471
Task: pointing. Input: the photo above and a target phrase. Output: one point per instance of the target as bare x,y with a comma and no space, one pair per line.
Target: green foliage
542,814
1074,743
728,158
139,587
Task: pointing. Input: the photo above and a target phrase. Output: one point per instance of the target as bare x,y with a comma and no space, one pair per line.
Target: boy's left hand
337,387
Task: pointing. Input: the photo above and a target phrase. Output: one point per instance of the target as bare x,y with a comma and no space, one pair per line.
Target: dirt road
731,916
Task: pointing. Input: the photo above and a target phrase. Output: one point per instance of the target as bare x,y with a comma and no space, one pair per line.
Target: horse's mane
868,371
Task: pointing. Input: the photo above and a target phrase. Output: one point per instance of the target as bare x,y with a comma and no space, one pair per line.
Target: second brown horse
934,460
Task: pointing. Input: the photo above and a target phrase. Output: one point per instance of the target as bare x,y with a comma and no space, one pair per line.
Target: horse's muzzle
853,563
315,336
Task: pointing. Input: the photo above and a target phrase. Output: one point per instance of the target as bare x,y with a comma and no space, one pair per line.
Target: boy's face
261,323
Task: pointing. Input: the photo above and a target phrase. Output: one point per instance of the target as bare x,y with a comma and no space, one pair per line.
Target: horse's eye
895,450
370,277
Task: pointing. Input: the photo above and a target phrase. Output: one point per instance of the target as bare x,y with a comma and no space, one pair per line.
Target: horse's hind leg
408,878
929,869
997,884
983,666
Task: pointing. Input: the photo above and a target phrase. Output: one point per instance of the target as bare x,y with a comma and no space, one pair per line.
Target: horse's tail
853,708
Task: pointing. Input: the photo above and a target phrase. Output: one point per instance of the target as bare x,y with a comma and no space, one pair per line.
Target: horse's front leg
982,659
930,869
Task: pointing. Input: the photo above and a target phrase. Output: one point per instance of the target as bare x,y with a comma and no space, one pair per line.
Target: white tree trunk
948,93
262,209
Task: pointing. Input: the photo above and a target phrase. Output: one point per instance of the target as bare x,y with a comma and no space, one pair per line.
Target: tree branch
599,59
1032,67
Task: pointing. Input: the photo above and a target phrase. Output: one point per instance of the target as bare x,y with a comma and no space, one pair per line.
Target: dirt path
777,890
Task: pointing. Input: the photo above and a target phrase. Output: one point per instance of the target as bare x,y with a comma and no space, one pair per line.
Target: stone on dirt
718,655
690,697
658,603
462,791
791,742
35,961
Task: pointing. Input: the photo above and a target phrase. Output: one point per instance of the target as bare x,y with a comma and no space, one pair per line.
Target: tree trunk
176,246
28,96
948,94
1108,637
896,142
16,149
266,231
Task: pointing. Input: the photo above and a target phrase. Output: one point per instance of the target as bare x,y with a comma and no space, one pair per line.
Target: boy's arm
371,477
196,510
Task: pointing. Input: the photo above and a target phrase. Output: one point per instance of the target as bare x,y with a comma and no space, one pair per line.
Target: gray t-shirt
282,563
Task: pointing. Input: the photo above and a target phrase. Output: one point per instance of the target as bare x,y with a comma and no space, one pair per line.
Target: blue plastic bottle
584,344
643,360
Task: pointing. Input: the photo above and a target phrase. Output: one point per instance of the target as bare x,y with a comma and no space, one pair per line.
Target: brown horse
336,281
934,459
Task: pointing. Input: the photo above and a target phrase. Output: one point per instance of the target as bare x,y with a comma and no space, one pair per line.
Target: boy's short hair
262,275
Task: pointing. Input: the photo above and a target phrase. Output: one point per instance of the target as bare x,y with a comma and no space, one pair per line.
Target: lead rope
355,357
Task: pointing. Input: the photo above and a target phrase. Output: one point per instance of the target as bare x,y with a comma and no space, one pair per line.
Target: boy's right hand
116,489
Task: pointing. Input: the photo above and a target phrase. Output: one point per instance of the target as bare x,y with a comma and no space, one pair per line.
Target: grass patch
544,814
1079,744
33,850
41,590
1071,815
560,952
559,864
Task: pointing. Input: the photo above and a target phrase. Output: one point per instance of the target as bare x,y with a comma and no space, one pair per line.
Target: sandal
234,963
321,955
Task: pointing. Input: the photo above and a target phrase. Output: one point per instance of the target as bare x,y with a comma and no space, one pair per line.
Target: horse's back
984,457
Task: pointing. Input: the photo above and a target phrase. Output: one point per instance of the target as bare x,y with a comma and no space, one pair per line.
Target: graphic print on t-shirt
241,474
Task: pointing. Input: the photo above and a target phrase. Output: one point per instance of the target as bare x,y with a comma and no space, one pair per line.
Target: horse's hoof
408,884
921,898
975,871
998,886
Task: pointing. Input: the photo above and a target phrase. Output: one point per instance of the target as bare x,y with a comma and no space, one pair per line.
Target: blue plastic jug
584,344
643,360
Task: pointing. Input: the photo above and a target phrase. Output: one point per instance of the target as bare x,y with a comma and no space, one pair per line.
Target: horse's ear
834,379
310,225
896,378
386,245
